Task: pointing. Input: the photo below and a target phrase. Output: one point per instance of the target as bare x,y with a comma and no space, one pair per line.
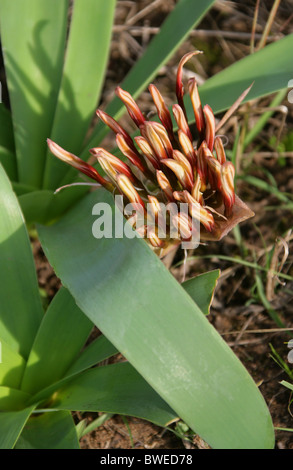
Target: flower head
164,165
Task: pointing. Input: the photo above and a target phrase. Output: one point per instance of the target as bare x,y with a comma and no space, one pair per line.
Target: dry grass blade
233,108
269,23
254,27
281,245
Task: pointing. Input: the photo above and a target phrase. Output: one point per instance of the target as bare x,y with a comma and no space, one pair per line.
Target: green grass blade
54,430
33,37
182,19
21,309
83,74
11,425
61,335
117,389
12,366
133,299
201,289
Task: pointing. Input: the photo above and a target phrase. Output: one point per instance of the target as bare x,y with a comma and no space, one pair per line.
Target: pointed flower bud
79,164
131,106
132,155
180,172
227,177
196,193
163,111
198,212
220,151
197,107
187,148
113,164
209,127
129,190
165,185
115,127
148,151
179,84
181,120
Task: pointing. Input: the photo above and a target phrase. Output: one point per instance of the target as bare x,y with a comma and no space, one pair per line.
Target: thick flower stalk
164,165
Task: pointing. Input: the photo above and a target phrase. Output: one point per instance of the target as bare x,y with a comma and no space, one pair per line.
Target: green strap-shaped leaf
6,129
97,351
12,399
8,161
62,333
33,37
83,75
201,289
20,308
12,366
117,389
53,430
11,424
133,299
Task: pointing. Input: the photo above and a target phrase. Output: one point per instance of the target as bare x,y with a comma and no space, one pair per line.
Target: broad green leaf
8,160
11,424
97,351
52,430
11,366
117,389
133,299
62,333
6,129
44,206
269,70
20,309
12,399
82,79
182,19
33,35
201,289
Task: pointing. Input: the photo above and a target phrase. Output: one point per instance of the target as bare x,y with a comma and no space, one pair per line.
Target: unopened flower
170,165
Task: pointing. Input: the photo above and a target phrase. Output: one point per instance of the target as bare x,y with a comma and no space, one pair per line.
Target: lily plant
55,68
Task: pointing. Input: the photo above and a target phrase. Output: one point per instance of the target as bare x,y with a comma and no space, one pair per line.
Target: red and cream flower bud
115,127
165,185
131,106
113,164
79,164
228,194
129,190
181,120
180,172
197,107
179,84
163,111
196,192
179,157
132,155
209,127
215,177
187,148
220,151
148,151
200,213
158,139
202,166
